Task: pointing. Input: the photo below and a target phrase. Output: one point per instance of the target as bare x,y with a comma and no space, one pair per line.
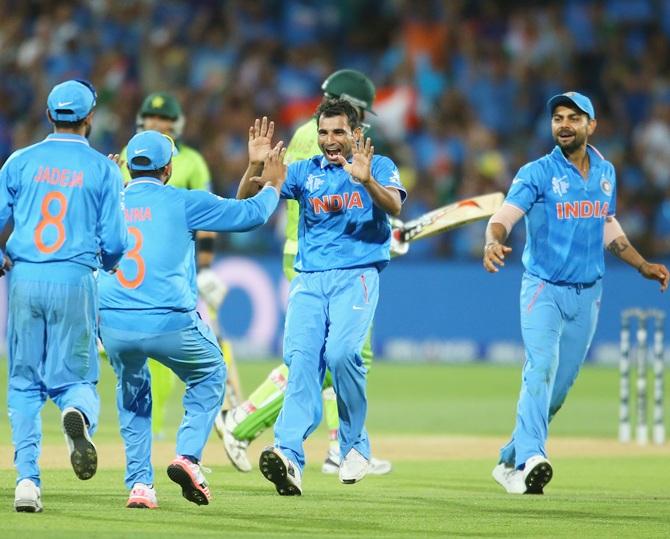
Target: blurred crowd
462,86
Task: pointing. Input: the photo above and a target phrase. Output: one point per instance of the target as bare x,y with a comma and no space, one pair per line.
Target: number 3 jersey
66,201
157,273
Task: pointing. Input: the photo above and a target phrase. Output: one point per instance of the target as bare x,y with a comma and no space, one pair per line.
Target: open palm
361,160
260,140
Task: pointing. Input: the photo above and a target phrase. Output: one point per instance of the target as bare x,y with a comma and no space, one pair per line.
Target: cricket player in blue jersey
147,309
65,200
568,201
346,195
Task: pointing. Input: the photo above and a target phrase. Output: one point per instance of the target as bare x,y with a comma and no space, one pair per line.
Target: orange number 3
134,255
53,220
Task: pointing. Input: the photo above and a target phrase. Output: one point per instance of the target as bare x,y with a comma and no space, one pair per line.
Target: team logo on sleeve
395,177
559,185
606,186
313,182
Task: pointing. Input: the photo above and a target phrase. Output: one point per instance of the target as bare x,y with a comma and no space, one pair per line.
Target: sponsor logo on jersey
606,186
335,203
582,209
559,185
313,182
60,176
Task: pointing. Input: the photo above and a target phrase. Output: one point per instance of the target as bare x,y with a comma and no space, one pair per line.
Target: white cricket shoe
142,497
332,464
188,475
225,424
537,473
353,467
509,478
27,497
281,471
83,455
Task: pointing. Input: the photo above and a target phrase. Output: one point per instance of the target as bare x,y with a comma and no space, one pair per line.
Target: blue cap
150,150
71,101
574,99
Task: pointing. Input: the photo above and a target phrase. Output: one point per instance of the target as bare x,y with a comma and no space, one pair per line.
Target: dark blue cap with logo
150,150
71,101
573,99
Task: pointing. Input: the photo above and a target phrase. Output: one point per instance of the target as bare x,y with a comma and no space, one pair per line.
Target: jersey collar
67,137
144,179
324,163
594,155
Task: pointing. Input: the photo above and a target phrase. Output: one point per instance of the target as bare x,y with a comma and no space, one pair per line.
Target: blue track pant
195,357
328,318
557,326
52,352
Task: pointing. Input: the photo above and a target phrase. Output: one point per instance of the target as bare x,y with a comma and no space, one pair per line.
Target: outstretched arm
497,231
620,247
260,144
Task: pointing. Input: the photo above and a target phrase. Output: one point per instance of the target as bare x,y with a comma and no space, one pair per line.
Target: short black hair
338,107
143,173
60,124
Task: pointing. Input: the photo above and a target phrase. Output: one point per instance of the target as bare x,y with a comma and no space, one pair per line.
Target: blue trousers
195,357
557,326
52,352
327,320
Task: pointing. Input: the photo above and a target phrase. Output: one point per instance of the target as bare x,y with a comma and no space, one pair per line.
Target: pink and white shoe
142,497
188,475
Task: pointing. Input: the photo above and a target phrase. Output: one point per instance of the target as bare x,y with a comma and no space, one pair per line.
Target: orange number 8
54,220
134,255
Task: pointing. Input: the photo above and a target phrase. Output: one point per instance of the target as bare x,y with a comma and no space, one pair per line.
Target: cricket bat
451,216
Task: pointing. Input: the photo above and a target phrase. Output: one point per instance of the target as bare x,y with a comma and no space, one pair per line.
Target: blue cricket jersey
157,274
66,201
565,216
339,226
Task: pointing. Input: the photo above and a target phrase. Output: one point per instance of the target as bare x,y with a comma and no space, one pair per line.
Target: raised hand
117,159
260,140
274,169
360,167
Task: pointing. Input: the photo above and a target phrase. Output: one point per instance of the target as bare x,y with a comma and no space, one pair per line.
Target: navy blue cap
574,99
71,101
150,150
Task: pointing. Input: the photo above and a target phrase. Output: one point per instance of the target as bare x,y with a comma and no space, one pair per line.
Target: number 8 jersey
66,202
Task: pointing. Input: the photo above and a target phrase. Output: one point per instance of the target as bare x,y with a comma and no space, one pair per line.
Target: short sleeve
525,189
290,188
386,173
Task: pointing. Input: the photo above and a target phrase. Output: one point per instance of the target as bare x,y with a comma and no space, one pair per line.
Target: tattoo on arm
618,246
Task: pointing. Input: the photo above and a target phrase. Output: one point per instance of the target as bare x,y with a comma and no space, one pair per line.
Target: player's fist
212,289
494,256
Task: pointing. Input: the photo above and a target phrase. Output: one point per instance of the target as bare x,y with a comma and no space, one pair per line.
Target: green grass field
440,424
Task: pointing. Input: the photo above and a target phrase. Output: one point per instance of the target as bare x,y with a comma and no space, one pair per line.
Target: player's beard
579,139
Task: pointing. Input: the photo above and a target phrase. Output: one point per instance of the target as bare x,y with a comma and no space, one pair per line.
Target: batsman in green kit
162,112
244,423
